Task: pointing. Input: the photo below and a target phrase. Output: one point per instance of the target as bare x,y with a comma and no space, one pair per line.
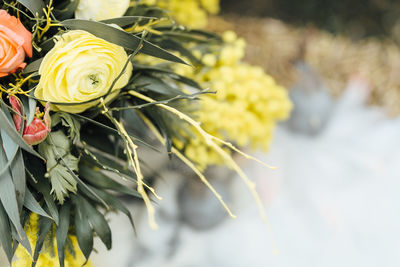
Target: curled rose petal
37,130
16,105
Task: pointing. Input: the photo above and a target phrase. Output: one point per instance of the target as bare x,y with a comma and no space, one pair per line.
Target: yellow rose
101,9
81,67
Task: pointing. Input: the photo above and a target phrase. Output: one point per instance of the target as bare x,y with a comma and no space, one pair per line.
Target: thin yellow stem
190,165
209,139
133,159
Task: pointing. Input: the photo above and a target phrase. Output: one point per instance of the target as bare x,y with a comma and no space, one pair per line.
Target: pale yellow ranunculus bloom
101,9
81,67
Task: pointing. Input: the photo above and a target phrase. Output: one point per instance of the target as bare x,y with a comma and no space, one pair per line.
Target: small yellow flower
209,60
81,67
191,13
48,255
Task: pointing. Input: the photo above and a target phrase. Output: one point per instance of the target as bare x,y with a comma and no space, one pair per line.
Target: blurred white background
333,201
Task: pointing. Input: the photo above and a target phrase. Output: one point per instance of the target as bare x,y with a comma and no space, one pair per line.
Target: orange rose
15,43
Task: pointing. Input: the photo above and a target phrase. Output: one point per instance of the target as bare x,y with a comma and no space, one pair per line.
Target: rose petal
16,31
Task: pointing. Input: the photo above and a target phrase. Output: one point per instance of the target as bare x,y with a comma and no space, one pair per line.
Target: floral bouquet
84,85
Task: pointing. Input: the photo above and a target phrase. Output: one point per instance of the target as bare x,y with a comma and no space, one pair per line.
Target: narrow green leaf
44,228
171,74
9,128
15,161
9,200
173,45
33,66
62,231
65,9
128,20
121,38
44,188
154,84
34,6
110,129
29,108
5,234
100,180
31,204
19,177
98,222
115,203
83,230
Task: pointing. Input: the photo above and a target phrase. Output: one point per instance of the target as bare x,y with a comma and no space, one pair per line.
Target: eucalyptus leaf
65,9
170,73
120,37
128,20
98,223
35,6
115,203
44,188
84,232
19,177
9,200
29,108
15,162
62,231
9,128
100,180
154,84
5,234
31,204
33,66
44,228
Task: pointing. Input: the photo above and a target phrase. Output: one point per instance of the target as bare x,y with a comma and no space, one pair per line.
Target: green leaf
44,228
110,129
157,85
68,121
56,148
15,163
9,200
15,158
9,128
29,108
19,177
44,188
171,74
83,230
65,9
177,46
31,204
121,38
34,6
33,66
201,33
115,203
5,234
100,180
98,222
128,20
62,231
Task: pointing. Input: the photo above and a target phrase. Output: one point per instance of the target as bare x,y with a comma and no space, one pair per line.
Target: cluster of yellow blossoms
48,256
246,107
191,13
